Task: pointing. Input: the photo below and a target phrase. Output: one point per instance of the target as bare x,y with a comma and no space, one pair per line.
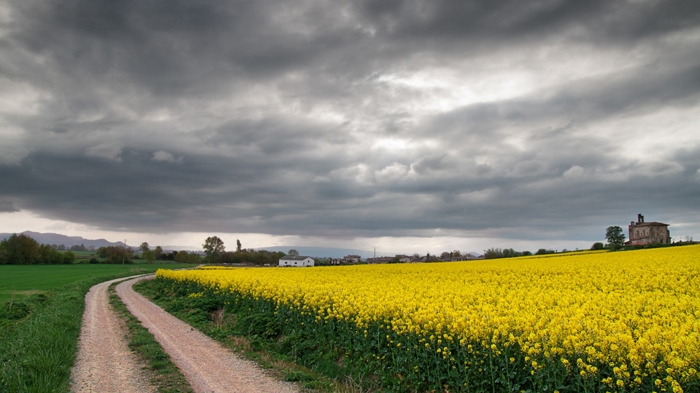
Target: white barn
293,260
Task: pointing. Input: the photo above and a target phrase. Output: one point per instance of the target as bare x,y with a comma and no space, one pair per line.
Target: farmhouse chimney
640,218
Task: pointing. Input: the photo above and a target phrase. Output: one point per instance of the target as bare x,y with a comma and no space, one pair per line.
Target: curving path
205,363
105,363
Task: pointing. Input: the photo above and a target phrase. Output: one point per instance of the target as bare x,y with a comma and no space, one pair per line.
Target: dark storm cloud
173,48
495,21
376,118
7,206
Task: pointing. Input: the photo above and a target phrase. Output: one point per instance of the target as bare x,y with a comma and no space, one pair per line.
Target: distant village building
380,260
352,258
296,260
346,259
642,233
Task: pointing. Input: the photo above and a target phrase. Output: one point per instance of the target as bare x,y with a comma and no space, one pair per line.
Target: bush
598,246
68,257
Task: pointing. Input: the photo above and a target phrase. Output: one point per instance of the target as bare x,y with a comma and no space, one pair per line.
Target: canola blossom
625,321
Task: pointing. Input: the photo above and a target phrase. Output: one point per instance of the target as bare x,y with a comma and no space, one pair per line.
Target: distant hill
55,238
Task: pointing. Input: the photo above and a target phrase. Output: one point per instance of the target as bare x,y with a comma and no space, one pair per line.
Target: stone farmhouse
641,233
352,258
296,260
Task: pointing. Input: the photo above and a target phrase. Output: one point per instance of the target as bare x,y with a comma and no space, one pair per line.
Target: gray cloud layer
526,120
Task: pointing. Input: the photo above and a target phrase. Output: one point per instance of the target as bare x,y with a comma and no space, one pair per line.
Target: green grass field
38,346
19,281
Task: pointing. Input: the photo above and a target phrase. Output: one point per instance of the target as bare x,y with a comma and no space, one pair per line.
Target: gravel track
104,362
205,363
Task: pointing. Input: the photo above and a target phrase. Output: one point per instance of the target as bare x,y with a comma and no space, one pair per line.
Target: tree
158,252
510,253
149,256
68,257
213,248
239,248
20,250
181,256
293,253
114,254
615,237
144,247
597,246
76,247
493,253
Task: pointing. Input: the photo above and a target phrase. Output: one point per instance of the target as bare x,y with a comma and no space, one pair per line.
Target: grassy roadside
158,366
39,332
38,351
222,327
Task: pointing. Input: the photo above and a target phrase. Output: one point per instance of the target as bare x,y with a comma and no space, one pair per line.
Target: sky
409,126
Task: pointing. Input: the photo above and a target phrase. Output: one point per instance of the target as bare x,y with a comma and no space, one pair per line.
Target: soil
105,363
104,366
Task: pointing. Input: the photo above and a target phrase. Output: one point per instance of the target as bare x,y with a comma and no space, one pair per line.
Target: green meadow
19,281
41,308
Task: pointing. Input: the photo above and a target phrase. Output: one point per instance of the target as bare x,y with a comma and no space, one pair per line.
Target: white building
293,260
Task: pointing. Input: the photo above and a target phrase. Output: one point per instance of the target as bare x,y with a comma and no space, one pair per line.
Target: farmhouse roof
295,257
649,224
640,222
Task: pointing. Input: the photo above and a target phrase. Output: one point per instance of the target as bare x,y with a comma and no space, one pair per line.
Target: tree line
157,254
75,247
127,255
215,252
23,250
493,253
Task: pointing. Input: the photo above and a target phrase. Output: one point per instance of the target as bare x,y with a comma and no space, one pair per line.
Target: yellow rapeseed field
637,312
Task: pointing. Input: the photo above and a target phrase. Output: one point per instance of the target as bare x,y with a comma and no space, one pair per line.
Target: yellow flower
632,312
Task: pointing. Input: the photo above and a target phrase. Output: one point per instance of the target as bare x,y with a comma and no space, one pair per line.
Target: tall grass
36,354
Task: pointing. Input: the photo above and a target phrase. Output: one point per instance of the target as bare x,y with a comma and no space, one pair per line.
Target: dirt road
105,363
205,363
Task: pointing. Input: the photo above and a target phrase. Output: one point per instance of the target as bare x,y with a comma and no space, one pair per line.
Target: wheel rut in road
104,362
206,364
